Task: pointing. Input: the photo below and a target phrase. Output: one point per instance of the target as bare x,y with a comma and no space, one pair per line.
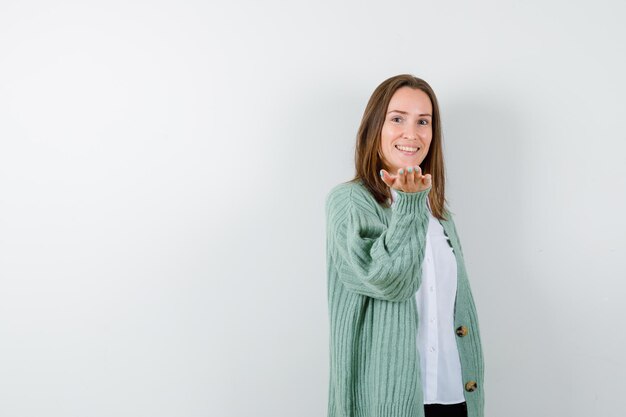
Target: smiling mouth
407,149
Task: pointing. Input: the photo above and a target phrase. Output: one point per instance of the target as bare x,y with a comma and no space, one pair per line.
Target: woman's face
408,125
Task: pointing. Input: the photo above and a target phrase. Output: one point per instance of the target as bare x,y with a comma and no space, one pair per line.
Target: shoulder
348,191
344,196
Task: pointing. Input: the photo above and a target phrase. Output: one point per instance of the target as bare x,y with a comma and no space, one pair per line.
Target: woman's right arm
374,259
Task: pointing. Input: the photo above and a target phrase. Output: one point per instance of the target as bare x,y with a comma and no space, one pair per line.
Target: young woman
404,336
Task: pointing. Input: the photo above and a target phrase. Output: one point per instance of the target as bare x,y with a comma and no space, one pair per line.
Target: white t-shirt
436,338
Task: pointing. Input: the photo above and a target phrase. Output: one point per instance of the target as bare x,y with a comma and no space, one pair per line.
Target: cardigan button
461,331
471,386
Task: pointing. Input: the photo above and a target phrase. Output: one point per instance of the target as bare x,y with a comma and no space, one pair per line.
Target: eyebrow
403,112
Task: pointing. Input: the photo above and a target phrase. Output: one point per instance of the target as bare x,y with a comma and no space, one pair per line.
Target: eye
398,118
423,122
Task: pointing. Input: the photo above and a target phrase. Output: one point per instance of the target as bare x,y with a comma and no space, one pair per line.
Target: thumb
386,177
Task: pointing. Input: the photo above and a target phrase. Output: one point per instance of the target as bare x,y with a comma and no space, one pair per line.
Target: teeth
406,148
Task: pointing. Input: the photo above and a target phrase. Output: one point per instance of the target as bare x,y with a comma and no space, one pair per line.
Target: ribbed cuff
411,202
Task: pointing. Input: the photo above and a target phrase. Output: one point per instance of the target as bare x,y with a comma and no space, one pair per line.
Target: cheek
385,138
388,134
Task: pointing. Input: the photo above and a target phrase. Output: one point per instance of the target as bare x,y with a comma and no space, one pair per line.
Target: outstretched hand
407,181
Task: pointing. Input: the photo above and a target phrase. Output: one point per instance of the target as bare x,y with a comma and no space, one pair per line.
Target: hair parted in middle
368,158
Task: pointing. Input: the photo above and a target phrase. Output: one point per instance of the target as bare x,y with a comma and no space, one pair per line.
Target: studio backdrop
163,172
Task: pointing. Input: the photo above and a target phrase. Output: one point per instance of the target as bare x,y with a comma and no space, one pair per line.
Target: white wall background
163,170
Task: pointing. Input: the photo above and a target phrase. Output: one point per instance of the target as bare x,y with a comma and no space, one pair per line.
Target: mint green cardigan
374,257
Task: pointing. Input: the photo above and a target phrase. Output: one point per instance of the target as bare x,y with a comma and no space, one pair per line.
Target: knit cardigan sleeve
376,256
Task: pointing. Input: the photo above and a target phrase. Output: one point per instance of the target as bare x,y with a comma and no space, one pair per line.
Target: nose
410,132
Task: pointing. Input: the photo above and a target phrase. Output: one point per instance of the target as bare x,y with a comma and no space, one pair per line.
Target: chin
408,163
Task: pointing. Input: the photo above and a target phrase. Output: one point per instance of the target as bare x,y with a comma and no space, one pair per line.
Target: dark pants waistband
445,410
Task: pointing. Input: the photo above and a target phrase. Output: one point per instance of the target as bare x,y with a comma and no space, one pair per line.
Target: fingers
401,179
411,176
427,180
409,179
422,182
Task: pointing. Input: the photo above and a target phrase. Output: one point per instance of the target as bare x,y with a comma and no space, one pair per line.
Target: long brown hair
367,156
